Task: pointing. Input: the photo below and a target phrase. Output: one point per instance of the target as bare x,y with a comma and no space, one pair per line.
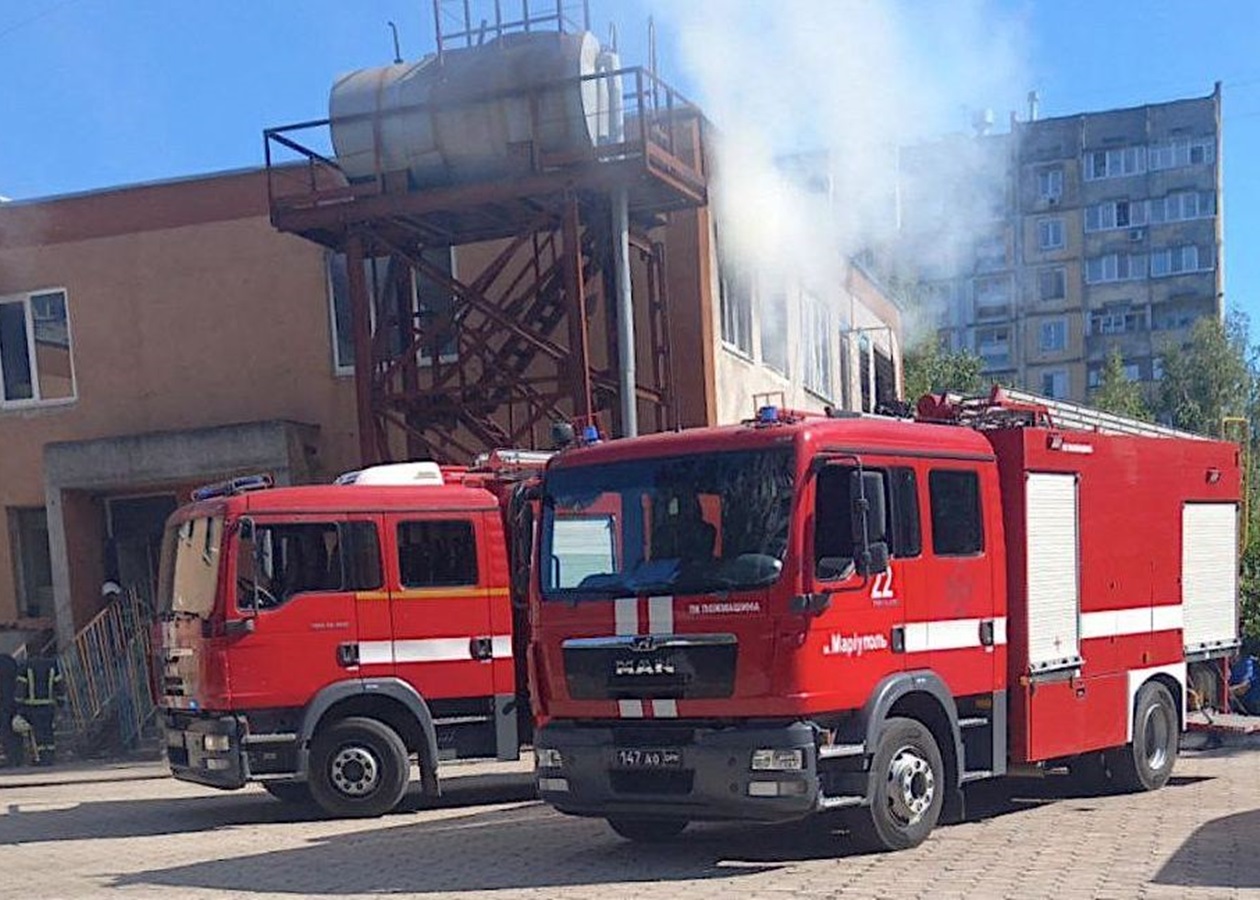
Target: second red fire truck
808,613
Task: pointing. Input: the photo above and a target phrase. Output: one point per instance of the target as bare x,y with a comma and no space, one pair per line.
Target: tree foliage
930,370
1212,376
1116,393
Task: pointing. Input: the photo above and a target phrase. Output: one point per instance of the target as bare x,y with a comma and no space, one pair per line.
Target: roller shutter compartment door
1209,574
1053,571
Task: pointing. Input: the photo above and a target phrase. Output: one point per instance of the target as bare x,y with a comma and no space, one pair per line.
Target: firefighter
40,690
10,740
1244,680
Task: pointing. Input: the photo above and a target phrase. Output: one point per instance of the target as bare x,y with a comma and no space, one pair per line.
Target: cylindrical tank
469,115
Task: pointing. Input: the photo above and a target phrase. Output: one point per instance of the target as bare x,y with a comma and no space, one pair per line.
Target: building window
1133,371
1118,319
35,360
1179,152
1054,384
1115,163
735,298
32,560
993,346
992,297
1115,267
402,301
1050,234
816,339
774,331
990,253
1052,283
1178,260
1050,183
1183,206
1115,214
1053,335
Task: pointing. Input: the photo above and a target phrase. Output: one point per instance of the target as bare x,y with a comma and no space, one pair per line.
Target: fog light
216,743
217,765
553,784
548,758
778,760
776,788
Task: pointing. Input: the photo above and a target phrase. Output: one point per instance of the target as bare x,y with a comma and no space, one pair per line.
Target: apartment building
1043,248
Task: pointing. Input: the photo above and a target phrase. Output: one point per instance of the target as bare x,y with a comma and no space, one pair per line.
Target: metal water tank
468,114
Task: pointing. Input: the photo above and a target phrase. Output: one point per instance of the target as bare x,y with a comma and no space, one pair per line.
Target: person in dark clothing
10,740
40,689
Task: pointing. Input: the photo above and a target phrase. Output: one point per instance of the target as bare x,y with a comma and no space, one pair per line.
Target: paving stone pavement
122,832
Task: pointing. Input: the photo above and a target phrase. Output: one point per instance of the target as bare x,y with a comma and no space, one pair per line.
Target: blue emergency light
238,485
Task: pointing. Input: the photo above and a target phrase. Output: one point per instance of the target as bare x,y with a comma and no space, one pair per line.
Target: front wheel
1147,763
647,831
359,768
906,788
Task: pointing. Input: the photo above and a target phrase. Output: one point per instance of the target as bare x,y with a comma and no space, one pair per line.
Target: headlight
216,743
548,758
778,760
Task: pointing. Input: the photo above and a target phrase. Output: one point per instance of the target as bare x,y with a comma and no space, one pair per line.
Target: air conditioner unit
1136,234
1052,200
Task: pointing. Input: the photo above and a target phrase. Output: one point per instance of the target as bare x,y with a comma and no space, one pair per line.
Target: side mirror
869,515
872,559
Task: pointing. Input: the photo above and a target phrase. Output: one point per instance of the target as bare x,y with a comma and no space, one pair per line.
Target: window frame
26,300
1048,327
344,529
941,516
469,523
1051,234
1059,275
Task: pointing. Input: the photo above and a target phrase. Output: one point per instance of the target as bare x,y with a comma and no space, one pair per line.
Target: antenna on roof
397,53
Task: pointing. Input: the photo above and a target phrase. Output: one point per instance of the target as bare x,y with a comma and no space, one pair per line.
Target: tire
1147,762
648,831
296,792
906,788
359,768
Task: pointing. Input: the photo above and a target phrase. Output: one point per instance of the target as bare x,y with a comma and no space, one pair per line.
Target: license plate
641,758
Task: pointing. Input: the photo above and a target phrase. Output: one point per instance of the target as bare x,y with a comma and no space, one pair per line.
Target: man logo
643,643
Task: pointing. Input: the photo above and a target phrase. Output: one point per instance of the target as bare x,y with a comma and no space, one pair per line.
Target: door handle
481,648
986,633
347,655
899,639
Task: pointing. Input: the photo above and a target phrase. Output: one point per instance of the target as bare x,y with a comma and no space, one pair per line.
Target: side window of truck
437,554
833,528
305,557
957,529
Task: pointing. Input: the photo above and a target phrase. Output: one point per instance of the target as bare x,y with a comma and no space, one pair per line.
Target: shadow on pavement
1219,854
182,815
990,799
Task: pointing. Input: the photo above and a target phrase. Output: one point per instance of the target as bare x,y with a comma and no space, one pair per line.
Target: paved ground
127,831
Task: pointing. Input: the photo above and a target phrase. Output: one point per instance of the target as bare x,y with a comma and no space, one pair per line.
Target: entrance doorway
135,541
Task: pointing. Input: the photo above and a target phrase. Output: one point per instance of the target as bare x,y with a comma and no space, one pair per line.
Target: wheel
1147,763
906,788
359,768
1205,686
648,831
289,791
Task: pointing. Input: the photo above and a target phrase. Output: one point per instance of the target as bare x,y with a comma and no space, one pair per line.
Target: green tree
1116,393
930,370
1210,377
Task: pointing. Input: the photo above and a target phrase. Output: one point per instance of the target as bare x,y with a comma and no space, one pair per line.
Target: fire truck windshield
699,523
190,566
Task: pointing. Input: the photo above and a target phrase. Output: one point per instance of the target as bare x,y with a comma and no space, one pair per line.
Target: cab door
443,639
289,581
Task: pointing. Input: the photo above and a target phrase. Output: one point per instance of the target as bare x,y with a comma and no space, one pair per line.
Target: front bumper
714,781
191,761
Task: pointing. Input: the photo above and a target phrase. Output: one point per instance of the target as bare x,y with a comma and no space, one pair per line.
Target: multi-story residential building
1069,236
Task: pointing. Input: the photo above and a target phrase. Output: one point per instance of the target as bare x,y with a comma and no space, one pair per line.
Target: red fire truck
807,613
316,638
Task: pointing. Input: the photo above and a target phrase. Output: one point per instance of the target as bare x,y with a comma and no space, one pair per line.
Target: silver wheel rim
355,771
911,786
1156,731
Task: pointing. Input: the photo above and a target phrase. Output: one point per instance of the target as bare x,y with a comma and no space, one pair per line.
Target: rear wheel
647,831
297,792
906,788
359,768
1147,763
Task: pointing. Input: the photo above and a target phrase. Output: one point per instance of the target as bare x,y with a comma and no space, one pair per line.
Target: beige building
1069,236
161,336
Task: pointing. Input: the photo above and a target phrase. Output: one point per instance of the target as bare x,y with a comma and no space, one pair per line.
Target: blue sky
99,93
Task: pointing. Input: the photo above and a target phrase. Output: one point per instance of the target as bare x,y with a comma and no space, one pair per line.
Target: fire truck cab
808,613
316,639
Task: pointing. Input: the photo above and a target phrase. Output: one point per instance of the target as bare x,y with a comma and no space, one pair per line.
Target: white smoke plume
855,79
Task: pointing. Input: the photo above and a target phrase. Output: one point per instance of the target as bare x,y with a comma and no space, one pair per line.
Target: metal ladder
1004,401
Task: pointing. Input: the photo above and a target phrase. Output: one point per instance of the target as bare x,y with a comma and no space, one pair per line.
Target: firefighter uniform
10,740
39,689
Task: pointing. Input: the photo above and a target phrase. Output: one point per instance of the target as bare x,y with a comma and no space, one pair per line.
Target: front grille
675,782
679,666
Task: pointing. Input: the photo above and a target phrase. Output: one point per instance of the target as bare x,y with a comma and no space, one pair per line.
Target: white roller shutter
1209,574
1053,572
